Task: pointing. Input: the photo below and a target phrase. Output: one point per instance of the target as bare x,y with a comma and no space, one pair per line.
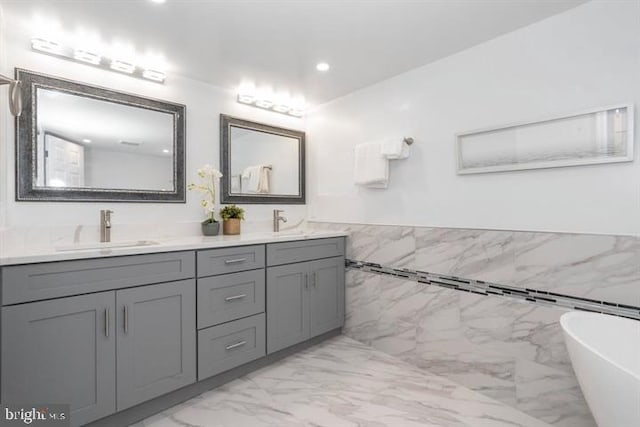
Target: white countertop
33,255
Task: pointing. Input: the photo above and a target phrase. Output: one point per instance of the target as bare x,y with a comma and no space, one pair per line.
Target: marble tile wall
507,349
599,267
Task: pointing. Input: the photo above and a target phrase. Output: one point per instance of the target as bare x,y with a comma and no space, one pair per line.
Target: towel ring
408,140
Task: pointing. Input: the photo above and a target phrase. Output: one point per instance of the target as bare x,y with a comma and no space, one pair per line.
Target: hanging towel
371,169
395,149
264,180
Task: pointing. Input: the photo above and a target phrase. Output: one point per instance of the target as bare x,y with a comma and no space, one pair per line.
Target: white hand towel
371,169
395,149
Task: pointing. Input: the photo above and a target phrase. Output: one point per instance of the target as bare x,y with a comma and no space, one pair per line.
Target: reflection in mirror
261,163
81,142
88,143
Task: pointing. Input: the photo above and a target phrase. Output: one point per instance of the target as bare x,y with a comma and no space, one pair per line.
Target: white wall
204,105
586,57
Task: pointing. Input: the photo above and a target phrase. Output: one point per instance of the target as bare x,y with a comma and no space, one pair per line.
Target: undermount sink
106,245
289,233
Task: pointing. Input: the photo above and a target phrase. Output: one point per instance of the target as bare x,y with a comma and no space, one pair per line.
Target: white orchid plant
209,177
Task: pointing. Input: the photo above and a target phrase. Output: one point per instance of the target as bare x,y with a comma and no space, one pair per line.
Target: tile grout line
479,287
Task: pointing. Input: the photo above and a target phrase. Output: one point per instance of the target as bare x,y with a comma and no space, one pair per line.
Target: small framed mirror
77,142
261,163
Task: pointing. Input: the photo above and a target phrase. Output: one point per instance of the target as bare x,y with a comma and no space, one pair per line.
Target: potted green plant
209,178
231,216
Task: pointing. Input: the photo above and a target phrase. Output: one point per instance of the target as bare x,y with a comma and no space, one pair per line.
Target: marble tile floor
342,382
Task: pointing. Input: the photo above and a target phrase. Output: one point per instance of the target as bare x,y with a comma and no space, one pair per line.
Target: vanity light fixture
86,141
83,55
246,99
48,46
91,57
122,66
264,103
279,103
156,76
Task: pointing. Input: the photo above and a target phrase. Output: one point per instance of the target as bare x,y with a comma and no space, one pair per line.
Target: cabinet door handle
236,345
235,261
125,315
107,320
314,279
306,280
235,297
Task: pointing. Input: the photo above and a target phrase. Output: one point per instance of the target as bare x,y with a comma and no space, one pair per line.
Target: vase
210,228
231,226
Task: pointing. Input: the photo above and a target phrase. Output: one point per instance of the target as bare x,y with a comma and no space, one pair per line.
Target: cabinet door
156,340
326,297
61,351
287,306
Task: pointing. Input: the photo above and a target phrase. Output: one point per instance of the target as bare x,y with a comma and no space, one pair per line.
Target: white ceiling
278,43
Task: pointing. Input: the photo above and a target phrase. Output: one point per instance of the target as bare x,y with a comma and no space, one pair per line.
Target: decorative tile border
486,288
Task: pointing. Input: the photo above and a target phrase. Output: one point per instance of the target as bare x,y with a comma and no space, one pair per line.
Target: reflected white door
64,164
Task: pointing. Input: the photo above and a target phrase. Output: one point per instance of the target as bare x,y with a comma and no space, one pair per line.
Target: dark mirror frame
225,163
26,136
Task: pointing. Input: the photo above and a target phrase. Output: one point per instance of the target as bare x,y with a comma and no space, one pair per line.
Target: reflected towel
264,180
371,169
258,179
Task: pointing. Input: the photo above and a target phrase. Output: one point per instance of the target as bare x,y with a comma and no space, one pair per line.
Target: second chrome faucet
277,218
105,225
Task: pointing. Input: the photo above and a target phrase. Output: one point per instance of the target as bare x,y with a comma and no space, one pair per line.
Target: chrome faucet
105,225
276,219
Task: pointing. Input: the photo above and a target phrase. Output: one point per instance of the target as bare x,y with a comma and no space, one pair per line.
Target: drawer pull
235,297
236,345
235,261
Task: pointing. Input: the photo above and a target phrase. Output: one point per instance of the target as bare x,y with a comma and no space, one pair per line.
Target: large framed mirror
77,142
261,163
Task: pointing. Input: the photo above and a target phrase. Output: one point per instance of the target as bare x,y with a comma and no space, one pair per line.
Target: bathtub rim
566,317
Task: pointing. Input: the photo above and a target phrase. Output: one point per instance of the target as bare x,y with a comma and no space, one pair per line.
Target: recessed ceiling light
86,141
159,1
165,151
322,66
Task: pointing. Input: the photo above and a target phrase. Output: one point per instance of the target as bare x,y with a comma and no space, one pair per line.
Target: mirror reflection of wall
85,142
263,163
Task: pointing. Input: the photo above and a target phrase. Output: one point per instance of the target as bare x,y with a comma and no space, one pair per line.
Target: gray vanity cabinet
304,300
326,295
156,340
287,305
62,351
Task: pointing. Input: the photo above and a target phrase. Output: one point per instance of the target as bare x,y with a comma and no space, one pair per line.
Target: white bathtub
605,354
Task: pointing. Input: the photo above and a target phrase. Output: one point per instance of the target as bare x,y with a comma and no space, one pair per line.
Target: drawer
222,261
304,250
224,347
33,282
230,297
